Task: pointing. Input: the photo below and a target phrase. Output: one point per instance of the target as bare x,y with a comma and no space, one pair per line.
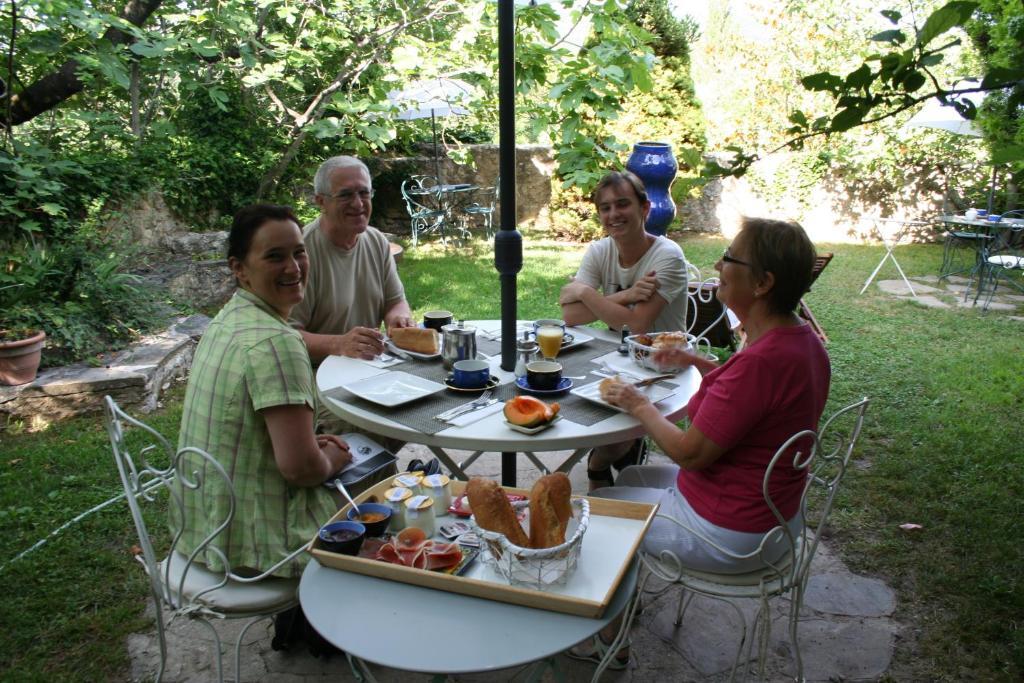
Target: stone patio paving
950,293
846,631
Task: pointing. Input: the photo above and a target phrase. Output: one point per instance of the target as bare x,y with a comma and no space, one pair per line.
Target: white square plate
592,392
393,388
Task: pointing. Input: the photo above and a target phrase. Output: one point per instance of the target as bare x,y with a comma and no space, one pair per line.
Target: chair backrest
824,456
142,477
422,193
705,315
820,262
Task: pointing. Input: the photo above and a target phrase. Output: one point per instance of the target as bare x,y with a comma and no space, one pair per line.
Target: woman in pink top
744,410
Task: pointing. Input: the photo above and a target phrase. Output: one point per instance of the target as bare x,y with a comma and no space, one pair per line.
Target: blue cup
471,374
993,218
982,213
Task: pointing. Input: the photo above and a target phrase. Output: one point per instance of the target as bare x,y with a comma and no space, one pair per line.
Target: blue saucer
564,385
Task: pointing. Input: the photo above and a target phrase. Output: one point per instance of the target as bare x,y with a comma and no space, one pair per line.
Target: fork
465,407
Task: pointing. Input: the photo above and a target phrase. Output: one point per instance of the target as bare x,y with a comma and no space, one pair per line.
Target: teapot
458,342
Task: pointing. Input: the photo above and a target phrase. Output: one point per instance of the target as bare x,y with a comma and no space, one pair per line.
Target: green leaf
798,117
932,59
860,78
998,75
847,119
1006,155
946,17
822,81
894,36
52,209
914,81
892,15
641,77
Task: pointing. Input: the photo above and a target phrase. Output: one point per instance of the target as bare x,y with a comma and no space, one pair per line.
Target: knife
470,409
653,380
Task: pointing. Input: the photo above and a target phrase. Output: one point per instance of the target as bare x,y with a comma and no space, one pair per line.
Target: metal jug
458,342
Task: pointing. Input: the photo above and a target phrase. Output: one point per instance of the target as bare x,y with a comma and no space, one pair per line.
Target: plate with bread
592,392
419,342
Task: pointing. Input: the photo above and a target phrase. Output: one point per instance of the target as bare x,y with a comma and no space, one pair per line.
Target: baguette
415,339
550,510
493,511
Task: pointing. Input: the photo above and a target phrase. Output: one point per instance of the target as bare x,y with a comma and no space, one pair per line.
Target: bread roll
550,510
607,383
414,339
493,511
670,340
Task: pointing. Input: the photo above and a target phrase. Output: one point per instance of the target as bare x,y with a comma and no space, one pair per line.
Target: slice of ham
417,551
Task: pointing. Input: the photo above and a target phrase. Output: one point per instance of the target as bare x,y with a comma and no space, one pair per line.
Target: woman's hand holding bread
623,394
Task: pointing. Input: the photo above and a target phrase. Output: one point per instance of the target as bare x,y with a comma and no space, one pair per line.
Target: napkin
625,365
378,362
476,415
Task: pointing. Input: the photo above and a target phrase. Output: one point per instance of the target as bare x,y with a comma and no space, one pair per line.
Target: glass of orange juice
549,338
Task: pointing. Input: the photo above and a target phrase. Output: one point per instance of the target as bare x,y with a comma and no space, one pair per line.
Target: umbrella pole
508,243
437,159
992,189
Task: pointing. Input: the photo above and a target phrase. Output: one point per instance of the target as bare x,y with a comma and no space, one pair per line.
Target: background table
491,433
420,629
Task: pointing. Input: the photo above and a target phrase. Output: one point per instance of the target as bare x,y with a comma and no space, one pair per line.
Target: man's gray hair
322,179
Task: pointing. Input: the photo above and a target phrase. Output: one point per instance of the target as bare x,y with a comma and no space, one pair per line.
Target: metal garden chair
422,195
824,455
180,583
706,317
481,207
1004,261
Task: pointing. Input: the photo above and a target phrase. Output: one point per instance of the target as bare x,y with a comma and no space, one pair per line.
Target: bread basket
536,568
643,354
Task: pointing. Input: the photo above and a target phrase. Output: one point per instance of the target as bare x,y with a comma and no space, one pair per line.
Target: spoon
341,489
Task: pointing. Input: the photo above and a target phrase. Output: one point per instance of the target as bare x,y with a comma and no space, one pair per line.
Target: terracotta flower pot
19,360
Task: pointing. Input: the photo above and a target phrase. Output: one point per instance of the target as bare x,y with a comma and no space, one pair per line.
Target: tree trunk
54,88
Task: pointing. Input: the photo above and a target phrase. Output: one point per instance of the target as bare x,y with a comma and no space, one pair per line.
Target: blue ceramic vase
654,163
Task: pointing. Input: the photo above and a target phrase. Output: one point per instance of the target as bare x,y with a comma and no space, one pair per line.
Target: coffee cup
435,320
544,375
982,213
471,374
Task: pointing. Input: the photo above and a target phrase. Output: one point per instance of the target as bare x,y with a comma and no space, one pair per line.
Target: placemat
420,414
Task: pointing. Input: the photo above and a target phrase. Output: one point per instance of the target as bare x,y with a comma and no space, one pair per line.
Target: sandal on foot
595,649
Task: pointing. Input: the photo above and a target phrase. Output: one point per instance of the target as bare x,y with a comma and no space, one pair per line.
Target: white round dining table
491,433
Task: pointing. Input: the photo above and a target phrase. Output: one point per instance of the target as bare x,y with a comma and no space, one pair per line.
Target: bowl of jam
374,516
345,538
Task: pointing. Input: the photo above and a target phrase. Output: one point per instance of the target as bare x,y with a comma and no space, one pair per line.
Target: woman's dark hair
783,249
618,178
248,220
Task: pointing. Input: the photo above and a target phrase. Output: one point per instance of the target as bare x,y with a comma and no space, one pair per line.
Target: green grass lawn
941,448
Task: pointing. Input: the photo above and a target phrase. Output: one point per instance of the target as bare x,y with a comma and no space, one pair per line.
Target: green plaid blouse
248,359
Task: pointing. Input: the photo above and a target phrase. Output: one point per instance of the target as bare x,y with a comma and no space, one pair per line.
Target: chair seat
267,595
746,585
1007,261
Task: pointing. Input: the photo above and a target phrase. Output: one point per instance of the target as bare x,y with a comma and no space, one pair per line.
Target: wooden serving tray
615,531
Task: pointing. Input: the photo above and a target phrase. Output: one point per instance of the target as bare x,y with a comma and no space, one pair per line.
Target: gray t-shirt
347,289
601,270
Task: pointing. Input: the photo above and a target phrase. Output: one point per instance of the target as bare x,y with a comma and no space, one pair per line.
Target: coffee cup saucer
449,382
563,385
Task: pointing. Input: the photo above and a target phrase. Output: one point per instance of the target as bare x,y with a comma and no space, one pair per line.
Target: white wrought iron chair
825,464
1003,260
706,317
422,195
481,207
181,583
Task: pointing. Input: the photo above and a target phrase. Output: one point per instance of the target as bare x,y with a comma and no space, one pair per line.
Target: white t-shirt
347,289
601,270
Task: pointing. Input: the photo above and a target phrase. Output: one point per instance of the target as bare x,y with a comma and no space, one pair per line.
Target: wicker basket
532,567
643,355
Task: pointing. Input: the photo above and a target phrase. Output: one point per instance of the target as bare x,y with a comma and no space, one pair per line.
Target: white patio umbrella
432,97
935,114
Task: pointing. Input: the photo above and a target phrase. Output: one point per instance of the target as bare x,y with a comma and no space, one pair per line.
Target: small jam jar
419,512
436,486
409,480
396,498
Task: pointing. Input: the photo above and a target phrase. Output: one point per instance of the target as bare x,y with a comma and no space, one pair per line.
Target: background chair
804,311
422,195
824,456
706,317
182,584
1003,260
481,207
